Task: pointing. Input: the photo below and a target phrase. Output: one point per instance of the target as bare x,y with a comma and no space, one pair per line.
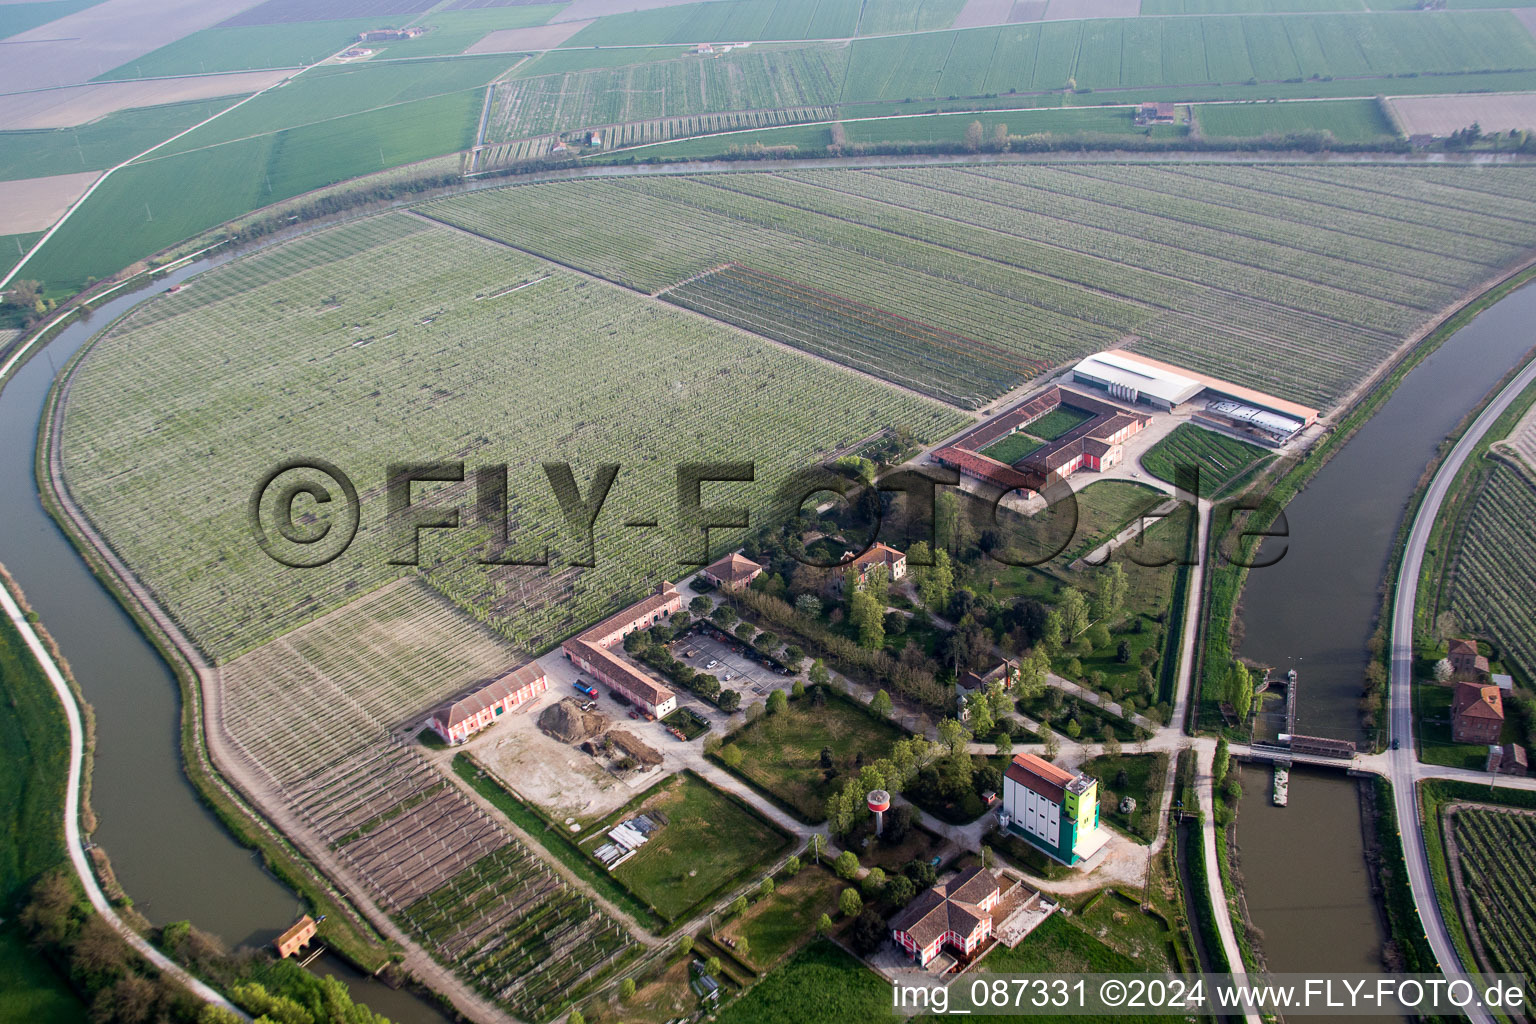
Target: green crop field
778,924
1142,52
1499,880
454,31
952,127
1151,7
802,137
1012,448
19,17
782,752
100,144
883,17
401,322
1493,569
1219,458
751,79
709,841
725,21
821,984
1345,120
13,247
248,47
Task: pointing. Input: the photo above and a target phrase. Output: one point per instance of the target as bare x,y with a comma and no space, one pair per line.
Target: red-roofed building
460,719
895,562
1477,713
591,651
1466,663
956,913
1055,810
732,572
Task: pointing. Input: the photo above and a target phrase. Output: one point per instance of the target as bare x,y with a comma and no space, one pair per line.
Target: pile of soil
566,722
635,747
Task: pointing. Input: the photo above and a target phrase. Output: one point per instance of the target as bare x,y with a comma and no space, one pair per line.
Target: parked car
690,652
590,691
711,663
728,676
634,714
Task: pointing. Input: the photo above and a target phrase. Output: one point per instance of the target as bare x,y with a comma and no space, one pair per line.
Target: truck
590,691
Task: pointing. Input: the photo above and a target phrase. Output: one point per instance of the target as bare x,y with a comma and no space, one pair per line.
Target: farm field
753,79
1345,120
885,17
310,717
156,203
1442,115
455,31
1219,458
1151,7
952,127
333,314
16,18
100,144
1296,281
781,753
725,21
821,984
798,136
247,48
780,923
1493,569
710,842
1498,882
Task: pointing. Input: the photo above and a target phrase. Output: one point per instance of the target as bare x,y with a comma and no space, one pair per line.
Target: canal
1303,865
172,856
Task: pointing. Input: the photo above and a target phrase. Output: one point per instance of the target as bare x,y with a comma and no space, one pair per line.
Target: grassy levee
1396,896
549,834
345,930
1203,916
34,767
1214,652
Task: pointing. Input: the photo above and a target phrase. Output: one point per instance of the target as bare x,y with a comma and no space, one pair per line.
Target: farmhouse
1005,671
1054,810
385,35
732,572
457,720
1466,663
956,913
895,562
1477,713
592,651
1093,444
1155,113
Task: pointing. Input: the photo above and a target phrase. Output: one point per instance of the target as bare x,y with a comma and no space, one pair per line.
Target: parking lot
747,676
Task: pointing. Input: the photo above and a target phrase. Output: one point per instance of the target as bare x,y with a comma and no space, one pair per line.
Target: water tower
879,802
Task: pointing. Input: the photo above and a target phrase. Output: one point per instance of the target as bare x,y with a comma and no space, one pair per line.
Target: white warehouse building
1132,381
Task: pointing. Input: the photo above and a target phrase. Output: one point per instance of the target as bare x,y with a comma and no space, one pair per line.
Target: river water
172,856
1303,865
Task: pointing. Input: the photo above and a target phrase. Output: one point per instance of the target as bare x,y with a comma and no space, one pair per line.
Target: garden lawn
1011,448
1057,422
776,926
709,842
1145,774
1435,744
782,753
821,985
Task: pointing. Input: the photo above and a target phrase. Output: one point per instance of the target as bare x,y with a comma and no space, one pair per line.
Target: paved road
1403,767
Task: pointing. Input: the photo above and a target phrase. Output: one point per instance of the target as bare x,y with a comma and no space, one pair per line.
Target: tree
1052,744
808,605
1074,613
1000,137
824,924
731,755
900,890
729,700
1051,633
24,294
818,673
973,136
1240,690
792,866
712,965
626,990
1443,671
797,689
1004,743
873,882
868,618
1098,635
1111,744
849,903
1221,761
575,1017
981,713
777,701
1112,590
1034,670
766,889
868,931
953,735
743,947
700,605
935,582
724,616
738,906
756,710
921,872
880,704
846,865
685,945
745,631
